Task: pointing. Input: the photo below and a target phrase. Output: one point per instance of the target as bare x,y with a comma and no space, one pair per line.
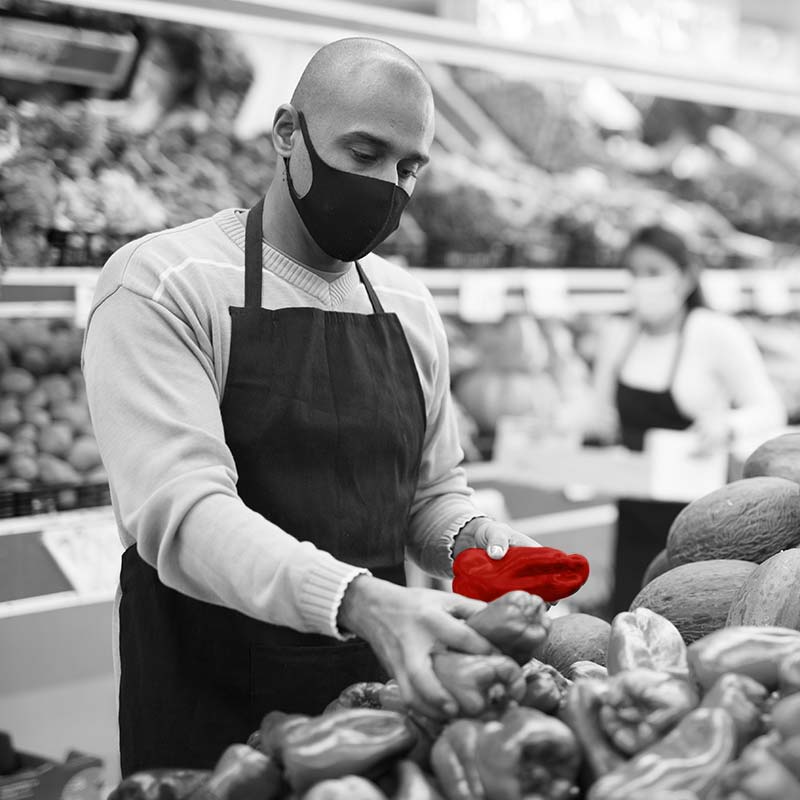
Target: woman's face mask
659,288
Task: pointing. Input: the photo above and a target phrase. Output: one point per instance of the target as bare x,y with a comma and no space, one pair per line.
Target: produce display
693,694
46,438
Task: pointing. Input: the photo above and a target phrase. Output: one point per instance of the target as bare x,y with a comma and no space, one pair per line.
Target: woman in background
678,365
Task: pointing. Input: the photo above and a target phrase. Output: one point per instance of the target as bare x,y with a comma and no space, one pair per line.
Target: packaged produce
748,650
745,699
691,756
770,594
575,637
482,686
642,638
453,759
750,520
354,741
527,754
543,571
695,597
515,623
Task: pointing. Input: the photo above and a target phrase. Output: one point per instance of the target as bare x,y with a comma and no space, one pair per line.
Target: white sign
482,297
546,293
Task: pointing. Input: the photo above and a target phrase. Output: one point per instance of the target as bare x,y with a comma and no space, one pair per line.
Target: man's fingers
517,539
428,688
457,635
413,699
464,607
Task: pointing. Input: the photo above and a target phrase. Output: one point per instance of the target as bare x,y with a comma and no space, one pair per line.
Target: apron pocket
303,680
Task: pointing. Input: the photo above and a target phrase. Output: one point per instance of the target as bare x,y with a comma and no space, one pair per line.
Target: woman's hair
673,247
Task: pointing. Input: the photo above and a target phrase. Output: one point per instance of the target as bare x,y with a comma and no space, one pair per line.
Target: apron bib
325,418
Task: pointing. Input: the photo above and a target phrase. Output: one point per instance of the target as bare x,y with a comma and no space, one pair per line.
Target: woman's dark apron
642,525
325,417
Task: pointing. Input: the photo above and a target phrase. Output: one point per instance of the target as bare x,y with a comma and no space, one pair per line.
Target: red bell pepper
545,571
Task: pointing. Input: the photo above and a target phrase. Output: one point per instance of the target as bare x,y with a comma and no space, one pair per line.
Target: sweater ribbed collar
331,293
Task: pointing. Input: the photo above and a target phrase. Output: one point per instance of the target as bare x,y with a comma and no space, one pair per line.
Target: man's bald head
359,66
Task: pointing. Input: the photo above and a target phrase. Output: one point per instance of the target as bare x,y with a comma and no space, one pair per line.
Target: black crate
62,497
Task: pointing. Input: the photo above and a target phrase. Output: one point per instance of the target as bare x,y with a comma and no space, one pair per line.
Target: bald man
272,404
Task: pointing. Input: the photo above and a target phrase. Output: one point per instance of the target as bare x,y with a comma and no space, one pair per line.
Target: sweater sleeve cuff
455,528
322,595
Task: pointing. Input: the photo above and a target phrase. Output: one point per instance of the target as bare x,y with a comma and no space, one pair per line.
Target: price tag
84,294
771,293
723,291
547,293
482,297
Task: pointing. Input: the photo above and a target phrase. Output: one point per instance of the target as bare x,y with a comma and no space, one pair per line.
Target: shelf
472,294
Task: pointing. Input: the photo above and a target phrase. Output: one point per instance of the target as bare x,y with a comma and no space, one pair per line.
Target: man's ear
286,122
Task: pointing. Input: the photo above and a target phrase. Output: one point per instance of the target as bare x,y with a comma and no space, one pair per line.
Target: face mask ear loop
312,155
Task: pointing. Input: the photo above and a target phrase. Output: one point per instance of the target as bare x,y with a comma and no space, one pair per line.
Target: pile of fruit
46,435
693,694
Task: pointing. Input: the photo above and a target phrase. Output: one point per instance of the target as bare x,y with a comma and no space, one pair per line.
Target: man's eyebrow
382,144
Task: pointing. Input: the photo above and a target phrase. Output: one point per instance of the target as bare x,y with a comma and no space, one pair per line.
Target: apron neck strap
253,256
377,307
254,264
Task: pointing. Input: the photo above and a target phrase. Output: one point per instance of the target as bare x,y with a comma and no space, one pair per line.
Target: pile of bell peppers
717,720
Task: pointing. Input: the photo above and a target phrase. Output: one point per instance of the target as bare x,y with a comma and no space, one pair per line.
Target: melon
771,594
575,637
748,520
776,458
696,597
658,566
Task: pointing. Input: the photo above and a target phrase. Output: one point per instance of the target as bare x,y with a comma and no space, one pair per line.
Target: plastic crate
48,499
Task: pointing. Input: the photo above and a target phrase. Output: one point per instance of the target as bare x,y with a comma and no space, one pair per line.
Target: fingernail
495,551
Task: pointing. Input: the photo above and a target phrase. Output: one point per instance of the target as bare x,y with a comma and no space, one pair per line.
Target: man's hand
404,626
494,537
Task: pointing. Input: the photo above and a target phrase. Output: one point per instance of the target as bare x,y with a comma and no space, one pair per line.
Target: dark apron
642,525
325,417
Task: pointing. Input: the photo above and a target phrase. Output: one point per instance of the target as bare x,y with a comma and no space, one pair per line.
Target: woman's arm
754,402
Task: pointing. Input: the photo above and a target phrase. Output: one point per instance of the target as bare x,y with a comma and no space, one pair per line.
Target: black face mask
347,215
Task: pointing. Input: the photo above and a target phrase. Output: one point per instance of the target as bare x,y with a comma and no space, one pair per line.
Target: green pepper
586,669
641,705
414,784
528,754
516,624
242,773
453,760
545,687
785,716
390,698
482,686
757,775
581,712
746,649
353,741
788,753
789,674
691,756
642,638
359,695
744,699
160,784
274,726
350,787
